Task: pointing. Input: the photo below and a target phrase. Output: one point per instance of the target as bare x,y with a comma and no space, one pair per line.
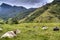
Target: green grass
32,31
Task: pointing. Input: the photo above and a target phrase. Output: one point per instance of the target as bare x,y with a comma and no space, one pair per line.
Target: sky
26,3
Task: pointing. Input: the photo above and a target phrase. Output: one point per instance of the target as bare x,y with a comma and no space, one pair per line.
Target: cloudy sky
26,3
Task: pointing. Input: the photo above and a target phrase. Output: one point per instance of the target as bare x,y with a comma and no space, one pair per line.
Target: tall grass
32,31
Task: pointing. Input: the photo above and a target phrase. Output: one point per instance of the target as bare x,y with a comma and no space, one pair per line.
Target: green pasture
32,31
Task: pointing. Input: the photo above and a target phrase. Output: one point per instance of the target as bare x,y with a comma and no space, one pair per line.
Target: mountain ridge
7,11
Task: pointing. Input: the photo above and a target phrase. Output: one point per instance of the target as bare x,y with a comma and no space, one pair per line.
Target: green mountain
49,13
7,11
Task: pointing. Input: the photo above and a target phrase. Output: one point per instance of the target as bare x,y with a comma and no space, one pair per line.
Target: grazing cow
56,29
11,34
44,27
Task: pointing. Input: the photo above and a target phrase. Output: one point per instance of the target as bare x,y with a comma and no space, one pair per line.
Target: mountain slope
24,14
36,13
46,17
49,13
7,11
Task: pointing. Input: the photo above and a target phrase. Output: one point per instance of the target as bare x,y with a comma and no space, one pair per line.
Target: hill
47,14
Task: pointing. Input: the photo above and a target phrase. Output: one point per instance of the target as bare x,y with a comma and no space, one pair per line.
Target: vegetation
32,21
32,31
49,13
12,21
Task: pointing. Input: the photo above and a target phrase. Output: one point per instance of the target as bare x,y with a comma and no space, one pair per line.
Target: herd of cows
13,33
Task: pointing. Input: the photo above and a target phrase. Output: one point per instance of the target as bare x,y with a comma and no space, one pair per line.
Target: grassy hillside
46,17
32,31
35,14
49,13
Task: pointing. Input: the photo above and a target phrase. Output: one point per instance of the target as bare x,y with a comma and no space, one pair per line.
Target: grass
32,31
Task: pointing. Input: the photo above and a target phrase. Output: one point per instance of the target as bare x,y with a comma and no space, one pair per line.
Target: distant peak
5,5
